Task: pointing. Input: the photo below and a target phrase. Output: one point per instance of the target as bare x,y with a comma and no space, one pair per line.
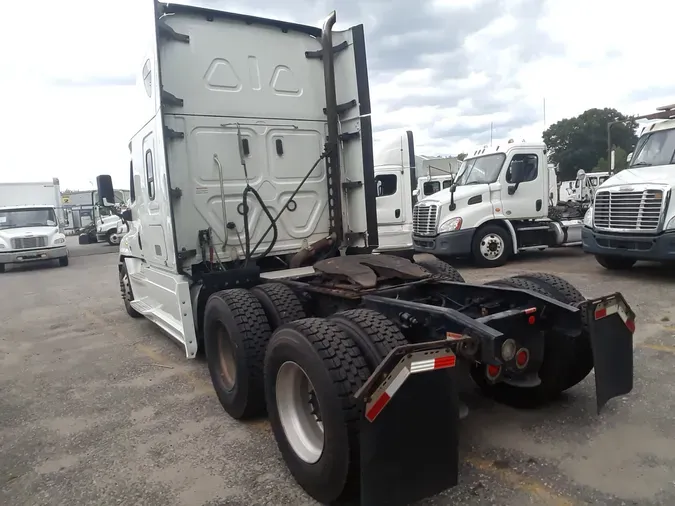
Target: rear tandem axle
357,364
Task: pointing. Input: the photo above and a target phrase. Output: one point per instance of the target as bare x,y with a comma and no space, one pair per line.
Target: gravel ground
98,408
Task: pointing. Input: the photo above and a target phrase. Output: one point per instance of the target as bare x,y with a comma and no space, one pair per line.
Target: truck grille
628,210
29,242
424,219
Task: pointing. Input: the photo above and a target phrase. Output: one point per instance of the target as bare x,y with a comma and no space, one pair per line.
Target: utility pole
544,113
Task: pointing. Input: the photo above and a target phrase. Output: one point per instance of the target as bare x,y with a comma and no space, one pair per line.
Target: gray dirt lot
98,408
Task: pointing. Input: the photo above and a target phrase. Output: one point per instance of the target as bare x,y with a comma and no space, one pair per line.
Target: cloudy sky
445,69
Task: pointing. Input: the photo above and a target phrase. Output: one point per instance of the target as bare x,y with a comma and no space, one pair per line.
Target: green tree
581,142
461,156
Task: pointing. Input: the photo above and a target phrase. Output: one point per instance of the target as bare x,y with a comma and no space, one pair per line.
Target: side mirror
517,171
629,157
126,215
106,194
416,192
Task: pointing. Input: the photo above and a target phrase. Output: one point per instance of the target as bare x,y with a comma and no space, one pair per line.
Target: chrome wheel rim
492,247
299,412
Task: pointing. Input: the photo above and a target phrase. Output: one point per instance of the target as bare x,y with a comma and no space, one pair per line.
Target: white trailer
31,223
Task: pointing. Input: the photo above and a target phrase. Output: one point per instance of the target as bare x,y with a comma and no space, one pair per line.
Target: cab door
528,199
393,185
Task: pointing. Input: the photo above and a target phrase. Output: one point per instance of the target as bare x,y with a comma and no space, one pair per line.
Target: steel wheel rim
299,412
228,363
127,287
492,247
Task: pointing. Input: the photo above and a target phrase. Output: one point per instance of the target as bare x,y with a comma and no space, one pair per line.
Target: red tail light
522,358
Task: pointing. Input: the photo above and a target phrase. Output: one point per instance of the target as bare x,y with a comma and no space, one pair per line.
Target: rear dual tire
567,360
336,356
304,375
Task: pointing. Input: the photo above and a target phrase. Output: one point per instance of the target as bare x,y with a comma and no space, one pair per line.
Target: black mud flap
410,451
611,324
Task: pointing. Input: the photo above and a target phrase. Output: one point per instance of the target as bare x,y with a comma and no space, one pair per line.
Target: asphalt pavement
99,408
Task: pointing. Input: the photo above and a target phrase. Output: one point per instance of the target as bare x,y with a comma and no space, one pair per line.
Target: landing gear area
357,365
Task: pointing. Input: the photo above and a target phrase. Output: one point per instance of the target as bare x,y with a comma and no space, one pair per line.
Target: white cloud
63,116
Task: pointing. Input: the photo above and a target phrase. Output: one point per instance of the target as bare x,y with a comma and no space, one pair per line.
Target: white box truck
31,223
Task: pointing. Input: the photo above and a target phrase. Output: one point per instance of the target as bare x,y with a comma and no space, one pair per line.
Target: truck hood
660,174
13,233
461,193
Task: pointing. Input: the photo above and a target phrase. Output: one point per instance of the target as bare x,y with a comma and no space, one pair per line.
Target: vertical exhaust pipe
333,169
329,78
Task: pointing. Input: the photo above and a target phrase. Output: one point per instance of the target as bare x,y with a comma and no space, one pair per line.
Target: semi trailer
252,227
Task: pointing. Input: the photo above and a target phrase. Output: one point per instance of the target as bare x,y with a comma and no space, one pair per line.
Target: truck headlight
671,224
588,218
450,225
60,240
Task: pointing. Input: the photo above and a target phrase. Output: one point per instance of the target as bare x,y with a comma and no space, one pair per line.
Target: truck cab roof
504,147
25,206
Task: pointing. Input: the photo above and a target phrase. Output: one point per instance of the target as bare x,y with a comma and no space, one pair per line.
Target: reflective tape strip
603,312
615,308
384,398
434,363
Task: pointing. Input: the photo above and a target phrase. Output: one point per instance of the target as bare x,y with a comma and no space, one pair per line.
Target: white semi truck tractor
633,214
503,202
252,226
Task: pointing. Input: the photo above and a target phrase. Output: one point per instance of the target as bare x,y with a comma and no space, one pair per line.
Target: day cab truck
503,202
31,225
633,214
252,226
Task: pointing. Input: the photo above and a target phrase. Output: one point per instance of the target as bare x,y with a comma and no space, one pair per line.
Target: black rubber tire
558,369
337,369
108,237
280,304
63,261
373,332
236,316
581,359
439,267
123,289
482,232
615,263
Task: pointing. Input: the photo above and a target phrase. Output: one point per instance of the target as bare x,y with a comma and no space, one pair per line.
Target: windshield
28,217
431,187
656,148
481,170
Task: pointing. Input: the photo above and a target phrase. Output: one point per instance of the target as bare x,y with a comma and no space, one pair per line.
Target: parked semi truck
31,223
633,214
504,201
253,219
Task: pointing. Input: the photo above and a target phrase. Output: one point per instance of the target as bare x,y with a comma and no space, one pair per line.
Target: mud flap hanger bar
400,363
450,319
